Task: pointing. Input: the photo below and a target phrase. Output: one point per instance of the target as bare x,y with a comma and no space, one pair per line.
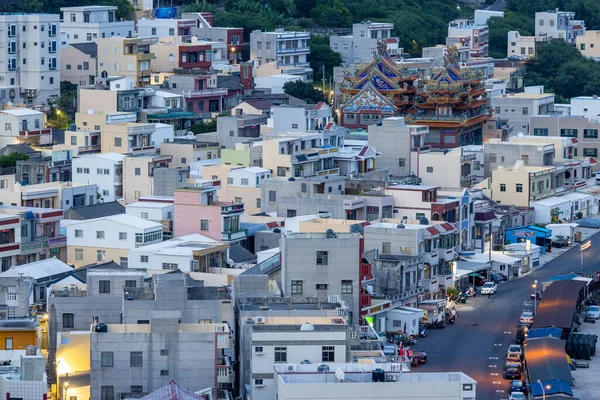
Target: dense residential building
515,109
164,28
105,170
31,72
138,174
50,195
437,53
559,25
30,234
524,46
450,168
360,47
128,138
187,52
521,184
479,35
79,63
185,151
86,24
23,125
281,52
128,57
94,211
129,359
589,44
154,208
109,238
54,168
581,130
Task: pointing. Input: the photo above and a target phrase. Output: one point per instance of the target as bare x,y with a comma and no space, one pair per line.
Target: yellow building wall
90,255
20,339
274,159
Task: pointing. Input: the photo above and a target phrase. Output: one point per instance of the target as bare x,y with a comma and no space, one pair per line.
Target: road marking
493,373
492,366
498,344
499,391
497,383
493,358
507,333
527,303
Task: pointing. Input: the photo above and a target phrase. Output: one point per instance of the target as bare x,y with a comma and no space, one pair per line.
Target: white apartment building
88,23
165,27
360,47
559,25
370,382
109,238
105,170
289,340
516,109
23,125
30,73
587,106
287,51
285,118
188,253
523,46
154,208
479,35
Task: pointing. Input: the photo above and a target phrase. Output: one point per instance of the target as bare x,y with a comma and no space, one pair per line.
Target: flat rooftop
145,328
294,323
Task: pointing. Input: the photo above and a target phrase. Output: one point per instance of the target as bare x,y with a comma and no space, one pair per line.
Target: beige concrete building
79,63
321,225
109,239
138,175
127,138
522,184
581,130
524,46
129,57
185,151
589,44
516,109
451,168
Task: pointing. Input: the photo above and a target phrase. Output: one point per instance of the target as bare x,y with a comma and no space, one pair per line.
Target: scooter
462,299
452,319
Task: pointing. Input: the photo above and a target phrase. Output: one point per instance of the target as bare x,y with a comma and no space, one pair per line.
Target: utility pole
323,79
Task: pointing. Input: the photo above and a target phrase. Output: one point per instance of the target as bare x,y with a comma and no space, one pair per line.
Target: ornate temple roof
369,98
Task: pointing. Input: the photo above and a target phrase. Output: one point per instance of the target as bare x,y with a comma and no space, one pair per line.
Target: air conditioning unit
290,368
261,320
390,378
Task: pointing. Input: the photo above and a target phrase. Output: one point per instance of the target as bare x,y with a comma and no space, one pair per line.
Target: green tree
332,13
204,127
197,6
11,159
304,91
322,55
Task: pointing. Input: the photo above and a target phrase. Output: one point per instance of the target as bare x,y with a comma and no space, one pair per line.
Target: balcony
60,241
204,93
90,149
291,50
145,56
468,157
5,247
449,254
431,258
35,133
333,171
237,208
34,247
231,236
142,149
118,179
402,295
421,149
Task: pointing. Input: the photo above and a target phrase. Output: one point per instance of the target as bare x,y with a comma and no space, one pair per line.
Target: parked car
591,302
560,241
517,386
594,312
497,278
515,351
517,396
522,333
526,317
514,58
479,280
489,288
513,371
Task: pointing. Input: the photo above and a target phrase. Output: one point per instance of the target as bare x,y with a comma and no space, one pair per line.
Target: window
135,359
258,202
590,152
8,343
540,131
230,181
525,111
568,133
122,235
503,187
519,187
347,287
525,158
321,286
144,259
68,66
107,393
258,349
164,372
78,233
107,359
244,181
280,171
430,170
123,262
294,126
164,352
144,215
78,254
104,286
590,133
328,354
68,320
99,234
386,247
136,389
402,162
138,171
272,195
118,142
130,283
170,266
280,354
297,287
100,255
322,257
204,224
258,383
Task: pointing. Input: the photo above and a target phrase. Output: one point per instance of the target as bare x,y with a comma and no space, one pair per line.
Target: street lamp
58,117
66,389
544,388
583,247
534,286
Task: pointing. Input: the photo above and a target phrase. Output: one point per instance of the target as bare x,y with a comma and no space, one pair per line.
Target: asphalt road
497,6
477,343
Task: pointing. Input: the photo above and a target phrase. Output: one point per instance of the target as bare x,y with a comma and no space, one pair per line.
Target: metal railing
68,292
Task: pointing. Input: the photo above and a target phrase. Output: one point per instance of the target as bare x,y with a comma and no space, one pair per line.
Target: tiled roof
260,104
95,211
90,49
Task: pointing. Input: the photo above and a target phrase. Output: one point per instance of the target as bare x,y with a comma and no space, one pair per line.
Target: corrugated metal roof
544,332
550,387
39,269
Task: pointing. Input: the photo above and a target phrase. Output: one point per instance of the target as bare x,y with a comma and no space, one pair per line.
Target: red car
480,280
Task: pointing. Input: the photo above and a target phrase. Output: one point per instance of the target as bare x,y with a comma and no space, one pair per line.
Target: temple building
451,102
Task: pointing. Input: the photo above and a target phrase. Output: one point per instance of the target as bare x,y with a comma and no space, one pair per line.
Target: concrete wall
393,140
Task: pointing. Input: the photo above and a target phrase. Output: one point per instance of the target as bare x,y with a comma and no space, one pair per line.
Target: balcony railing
229,236
304,49
35,133
468,157
38,244
204,93
90,149
9,247
469,177
60,241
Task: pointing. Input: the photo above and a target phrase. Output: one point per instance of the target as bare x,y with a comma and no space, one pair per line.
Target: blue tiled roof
550,387
544,332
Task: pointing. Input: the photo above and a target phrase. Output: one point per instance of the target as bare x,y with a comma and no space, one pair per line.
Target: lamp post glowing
534,286
544,388
583,247
66,389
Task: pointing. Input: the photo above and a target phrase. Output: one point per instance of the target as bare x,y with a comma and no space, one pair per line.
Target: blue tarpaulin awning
544,333
550,387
